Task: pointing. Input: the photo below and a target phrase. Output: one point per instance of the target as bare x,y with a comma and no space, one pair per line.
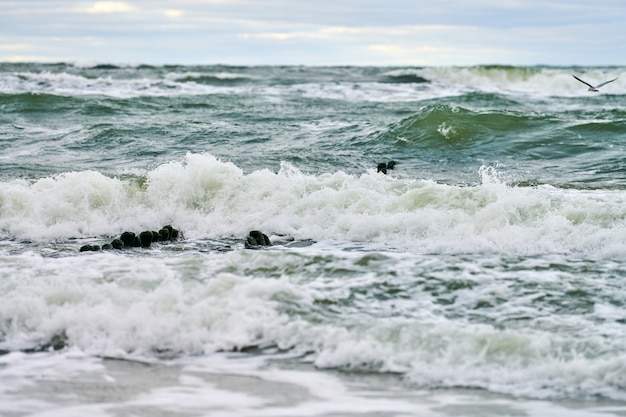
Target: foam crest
69,205
77,85
207,198
542,81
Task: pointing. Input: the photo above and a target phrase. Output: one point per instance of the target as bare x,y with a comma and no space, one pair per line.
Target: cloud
105,7
23,58
174,13
267,35
329,33
13,47
359,32
401,51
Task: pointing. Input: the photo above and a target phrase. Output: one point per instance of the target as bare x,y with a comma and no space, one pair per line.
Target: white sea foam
369,92
535,81
79,85
207,198
141,307
439,82
487,288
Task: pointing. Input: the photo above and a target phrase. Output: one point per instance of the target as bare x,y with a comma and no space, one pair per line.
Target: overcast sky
315,32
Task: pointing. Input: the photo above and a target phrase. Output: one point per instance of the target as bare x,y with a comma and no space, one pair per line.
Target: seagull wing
606,82
586,83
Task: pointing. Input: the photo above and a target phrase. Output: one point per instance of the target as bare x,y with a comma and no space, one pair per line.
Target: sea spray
208,198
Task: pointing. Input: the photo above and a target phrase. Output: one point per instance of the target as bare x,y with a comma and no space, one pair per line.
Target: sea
484,274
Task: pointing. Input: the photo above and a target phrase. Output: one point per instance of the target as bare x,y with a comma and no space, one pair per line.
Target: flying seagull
591,87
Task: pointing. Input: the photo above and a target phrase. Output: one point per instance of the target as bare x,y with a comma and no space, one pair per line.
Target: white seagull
591,87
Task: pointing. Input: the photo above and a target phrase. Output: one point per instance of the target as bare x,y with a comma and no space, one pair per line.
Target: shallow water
233,385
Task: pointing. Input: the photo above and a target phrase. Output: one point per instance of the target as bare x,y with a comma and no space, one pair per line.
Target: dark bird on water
383,167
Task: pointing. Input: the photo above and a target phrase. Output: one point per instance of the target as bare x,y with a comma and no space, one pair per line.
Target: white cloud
267,35
174,13
404,51
24,58
382,32
13,47
105,7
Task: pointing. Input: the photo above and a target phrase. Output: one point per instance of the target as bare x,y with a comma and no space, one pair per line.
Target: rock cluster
140,240
255,239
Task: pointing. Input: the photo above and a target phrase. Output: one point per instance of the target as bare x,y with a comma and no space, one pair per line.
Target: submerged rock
128,238
146,239
89,248
255,239
57,342
164,234
85,248
168,233
132,240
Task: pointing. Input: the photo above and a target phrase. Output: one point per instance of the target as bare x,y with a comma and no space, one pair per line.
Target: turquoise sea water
483,275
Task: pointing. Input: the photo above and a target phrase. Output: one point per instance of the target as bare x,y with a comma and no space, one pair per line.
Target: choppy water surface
484,275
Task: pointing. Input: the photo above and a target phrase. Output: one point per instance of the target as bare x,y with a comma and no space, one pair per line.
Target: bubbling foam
208,198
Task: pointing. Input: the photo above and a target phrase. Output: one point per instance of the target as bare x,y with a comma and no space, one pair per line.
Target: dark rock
145,239
128,238
250,243
164,234
89,248
57,342
260,238
171,232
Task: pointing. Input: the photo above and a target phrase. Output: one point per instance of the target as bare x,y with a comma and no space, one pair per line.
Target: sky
315,32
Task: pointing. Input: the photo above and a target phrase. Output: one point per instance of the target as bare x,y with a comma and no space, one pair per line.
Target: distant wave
351,83
404,78
214,79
